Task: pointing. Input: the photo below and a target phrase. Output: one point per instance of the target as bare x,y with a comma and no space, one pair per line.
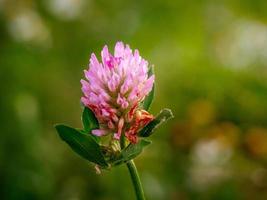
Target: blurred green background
210,61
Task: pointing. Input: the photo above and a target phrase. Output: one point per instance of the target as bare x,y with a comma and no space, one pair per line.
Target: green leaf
89,120
149,98
134,150
131,151
151,71
83,144
90,123
162,117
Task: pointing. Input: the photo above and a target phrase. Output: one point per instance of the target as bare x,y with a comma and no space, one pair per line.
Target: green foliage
162,117
88,148
89,120
131,151
83,144
89,123
149,98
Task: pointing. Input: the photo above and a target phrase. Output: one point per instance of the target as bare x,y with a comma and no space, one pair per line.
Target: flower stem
134,174
136,180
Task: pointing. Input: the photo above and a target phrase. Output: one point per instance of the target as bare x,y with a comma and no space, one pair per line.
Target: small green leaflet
131,151
134,150
83,144
90,123
149,98
162,117
89,120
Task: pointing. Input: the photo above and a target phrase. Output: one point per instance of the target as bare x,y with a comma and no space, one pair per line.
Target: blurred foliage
210,62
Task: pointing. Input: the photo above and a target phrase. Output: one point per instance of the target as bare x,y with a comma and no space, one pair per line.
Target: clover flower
115,89
117,94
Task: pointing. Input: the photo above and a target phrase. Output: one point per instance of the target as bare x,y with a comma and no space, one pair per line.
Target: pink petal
85,101
105,54
119,49
93,60
99,132
148,85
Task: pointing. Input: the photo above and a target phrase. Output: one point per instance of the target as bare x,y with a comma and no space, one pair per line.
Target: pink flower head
114,90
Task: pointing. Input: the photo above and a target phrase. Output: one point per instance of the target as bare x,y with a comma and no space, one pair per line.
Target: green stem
136,180
134,174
